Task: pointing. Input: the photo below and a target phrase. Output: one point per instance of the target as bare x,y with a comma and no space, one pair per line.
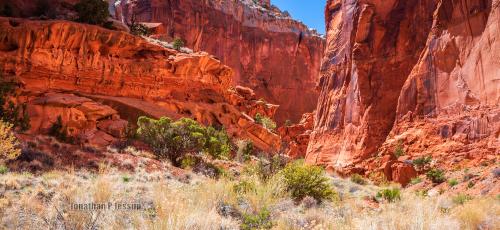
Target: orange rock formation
130,75
296,136
270,52
422,74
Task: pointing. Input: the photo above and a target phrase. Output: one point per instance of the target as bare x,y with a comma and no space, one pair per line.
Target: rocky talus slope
418,77
96,80
269,52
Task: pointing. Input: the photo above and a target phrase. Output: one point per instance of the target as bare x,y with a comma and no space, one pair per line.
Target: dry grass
187,207
42,202
481,213
412,212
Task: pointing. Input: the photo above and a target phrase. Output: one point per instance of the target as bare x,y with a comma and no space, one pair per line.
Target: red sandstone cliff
422,74
96,79
271,53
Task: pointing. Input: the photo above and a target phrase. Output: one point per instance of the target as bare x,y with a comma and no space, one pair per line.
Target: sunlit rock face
98,79
269,52
421,74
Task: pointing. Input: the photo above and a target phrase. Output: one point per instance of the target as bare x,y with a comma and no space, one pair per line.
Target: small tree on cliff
267,122
93,12
178,44
15,114
138,28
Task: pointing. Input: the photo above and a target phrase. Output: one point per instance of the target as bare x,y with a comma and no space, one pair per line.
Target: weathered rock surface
296,136
269,52
423,74
126,72
82,120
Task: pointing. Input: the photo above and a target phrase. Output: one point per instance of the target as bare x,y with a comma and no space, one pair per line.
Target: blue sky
311,12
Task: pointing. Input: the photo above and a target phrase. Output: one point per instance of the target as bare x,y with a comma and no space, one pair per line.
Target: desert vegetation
265,121
201,185
208,181
9,145
177,43
171,139
12,112
137,28
93,12
168,201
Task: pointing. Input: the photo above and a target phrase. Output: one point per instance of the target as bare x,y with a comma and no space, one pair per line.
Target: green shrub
171,139
422,161
217,143
452,182
436,175
303,180
24,122
461,199
126,178
140,30
93,12
57,130
358,179
399,151
389,194
3,169
244,186
267,122
178,43
188,162
17,115
6,88
260,220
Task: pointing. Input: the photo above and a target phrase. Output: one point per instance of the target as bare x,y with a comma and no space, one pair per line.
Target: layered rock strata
270,52
129,74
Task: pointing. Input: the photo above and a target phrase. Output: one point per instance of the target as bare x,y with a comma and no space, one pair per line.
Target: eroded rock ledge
58,61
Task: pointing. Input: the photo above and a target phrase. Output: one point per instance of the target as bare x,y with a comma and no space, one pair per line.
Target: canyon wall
55,60
421,75
269,52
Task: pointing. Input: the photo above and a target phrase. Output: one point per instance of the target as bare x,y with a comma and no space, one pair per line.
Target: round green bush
304,180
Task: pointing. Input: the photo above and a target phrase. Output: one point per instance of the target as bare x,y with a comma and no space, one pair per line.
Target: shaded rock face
129,74
419,73
274,55
82,120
